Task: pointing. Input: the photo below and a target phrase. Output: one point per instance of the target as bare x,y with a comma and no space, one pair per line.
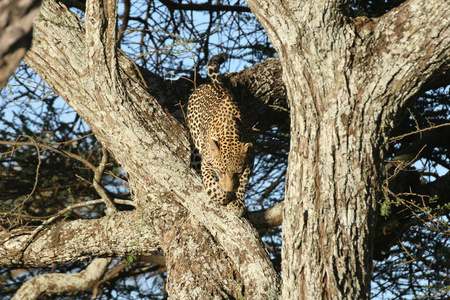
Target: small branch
125,19
397,138
156,259
38,167
98,171
47,147
204,7
111,208
402,161
110,274
269,218
125,202
74,140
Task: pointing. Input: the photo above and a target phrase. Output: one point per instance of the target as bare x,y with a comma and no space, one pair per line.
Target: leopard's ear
214,146
248,147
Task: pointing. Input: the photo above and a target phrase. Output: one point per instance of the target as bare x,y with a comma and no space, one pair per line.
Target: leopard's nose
230,183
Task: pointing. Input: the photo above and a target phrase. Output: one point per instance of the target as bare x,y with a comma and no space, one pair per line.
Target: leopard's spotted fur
222,139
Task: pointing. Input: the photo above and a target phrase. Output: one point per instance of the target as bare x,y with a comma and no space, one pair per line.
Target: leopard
222,145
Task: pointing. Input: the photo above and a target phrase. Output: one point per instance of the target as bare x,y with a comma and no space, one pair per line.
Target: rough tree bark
63,283
81,63
346,81
16,20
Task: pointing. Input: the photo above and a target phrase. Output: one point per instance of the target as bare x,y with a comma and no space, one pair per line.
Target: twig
400,162
47,147
74,140
397,138
38,167
98,174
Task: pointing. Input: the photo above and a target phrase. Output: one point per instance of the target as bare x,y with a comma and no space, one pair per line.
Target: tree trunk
346,81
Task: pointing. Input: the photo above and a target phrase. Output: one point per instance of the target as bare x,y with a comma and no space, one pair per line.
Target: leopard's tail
214,67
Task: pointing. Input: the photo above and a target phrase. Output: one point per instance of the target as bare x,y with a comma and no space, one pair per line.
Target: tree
347,80
15,34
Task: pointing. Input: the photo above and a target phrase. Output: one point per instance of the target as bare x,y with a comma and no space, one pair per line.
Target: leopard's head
230,159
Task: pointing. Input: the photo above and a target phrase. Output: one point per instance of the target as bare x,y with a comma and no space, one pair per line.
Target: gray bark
346,81
63,283
84,239
16,20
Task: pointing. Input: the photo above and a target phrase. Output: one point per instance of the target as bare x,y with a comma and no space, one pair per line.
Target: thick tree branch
63,283
84,239
140,232
413,36
16,20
